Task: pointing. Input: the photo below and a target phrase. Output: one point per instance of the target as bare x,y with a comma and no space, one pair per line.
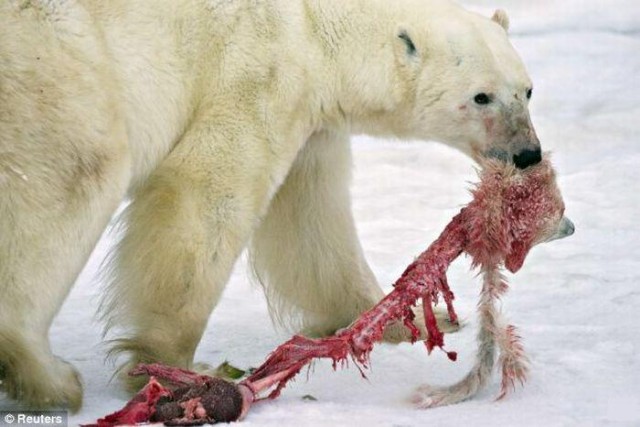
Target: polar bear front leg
183,231
306,251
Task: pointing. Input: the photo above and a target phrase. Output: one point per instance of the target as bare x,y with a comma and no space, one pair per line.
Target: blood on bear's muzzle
527,158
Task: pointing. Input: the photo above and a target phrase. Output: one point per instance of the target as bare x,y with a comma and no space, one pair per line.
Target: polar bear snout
523,145
527,158
522,160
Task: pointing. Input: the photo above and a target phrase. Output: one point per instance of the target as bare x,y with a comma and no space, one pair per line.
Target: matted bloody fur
511,211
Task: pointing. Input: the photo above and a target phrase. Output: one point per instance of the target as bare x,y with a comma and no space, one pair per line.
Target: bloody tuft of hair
511,211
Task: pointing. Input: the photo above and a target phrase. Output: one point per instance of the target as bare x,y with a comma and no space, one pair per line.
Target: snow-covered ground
576,301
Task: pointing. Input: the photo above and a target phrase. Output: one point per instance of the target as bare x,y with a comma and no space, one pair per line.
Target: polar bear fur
226,124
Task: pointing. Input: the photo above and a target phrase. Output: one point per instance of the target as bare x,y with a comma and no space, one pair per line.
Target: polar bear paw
53,385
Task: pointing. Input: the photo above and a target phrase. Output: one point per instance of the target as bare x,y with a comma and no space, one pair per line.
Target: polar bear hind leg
64,169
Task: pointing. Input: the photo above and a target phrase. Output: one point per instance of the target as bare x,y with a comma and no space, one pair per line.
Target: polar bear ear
404,46
404,36
500,17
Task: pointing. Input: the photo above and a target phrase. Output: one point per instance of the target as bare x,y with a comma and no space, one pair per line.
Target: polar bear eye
482,99
529,93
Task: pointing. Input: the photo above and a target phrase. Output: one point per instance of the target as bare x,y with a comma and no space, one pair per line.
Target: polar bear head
462,83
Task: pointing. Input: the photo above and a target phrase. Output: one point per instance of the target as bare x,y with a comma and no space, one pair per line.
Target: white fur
221,120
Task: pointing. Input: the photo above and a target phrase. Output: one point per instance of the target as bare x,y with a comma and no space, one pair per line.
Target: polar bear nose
527,158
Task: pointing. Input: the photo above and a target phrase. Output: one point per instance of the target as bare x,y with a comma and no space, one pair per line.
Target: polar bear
226,124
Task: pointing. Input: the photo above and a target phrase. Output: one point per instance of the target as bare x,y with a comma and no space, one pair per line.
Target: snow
576,301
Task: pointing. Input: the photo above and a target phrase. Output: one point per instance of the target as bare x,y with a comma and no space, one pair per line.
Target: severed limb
511,211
